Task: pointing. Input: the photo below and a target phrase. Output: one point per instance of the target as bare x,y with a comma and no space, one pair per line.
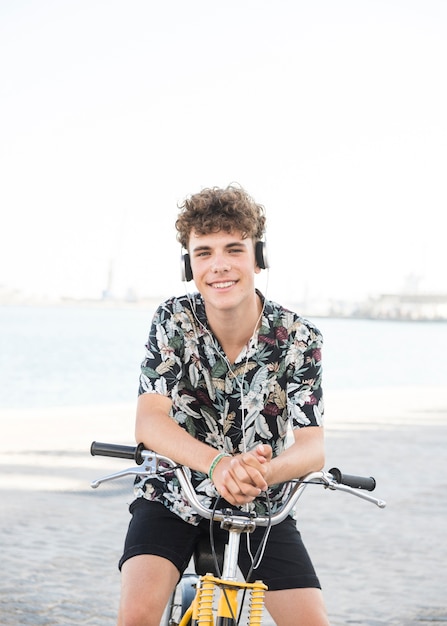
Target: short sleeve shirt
273,386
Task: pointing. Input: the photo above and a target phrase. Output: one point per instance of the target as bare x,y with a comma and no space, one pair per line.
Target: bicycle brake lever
148,469
360,493
131,471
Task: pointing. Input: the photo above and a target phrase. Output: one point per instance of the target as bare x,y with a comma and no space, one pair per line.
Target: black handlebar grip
117,451
367,483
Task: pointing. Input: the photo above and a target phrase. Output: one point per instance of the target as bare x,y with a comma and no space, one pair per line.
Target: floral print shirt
274,383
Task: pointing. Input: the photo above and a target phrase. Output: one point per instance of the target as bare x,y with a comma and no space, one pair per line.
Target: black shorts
155,530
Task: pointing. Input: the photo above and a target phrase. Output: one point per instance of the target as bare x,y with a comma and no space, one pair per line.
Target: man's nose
220,264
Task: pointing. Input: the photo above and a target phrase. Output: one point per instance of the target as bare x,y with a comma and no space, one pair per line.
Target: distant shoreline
398,308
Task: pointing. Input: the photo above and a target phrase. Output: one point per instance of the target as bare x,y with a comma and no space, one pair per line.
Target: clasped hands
241,478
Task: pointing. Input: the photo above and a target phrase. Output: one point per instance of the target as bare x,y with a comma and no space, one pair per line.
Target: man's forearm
305,455
159,432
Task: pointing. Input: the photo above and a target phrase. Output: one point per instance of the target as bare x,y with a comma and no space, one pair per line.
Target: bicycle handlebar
155,464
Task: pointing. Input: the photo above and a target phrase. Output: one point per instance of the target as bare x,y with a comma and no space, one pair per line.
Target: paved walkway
60,540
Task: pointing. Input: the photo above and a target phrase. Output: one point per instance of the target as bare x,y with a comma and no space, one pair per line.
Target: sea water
75,355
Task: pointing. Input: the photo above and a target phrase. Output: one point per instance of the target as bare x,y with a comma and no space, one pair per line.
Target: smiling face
224,266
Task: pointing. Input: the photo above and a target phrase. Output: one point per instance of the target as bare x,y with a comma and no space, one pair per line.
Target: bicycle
193,601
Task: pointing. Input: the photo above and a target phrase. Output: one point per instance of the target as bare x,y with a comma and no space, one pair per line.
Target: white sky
332,113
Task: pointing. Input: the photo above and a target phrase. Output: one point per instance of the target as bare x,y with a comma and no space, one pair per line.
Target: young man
226,371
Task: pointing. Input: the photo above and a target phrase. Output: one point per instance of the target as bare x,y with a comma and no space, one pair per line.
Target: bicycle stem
231,557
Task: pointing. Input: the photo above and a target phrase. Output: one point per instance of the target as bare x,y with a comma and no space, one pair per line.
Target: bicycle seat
203,556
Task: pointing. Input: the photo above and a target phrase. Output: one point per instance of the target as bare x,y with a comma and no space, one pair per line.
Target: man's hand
240,479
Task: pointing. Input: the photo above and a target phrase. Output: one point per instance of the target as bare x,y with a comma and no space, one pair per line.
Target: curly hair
214,209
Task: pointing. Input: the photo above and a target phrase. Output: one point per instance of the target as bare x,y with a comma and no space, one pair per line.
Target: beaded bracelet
215,461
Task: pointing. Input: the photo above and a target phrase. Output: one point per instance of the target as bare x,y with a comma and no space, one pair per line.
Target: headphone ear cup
186,267
261,255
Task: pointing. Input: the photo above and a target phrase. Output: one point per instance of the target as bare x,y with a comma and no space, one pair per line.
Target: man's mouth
223,285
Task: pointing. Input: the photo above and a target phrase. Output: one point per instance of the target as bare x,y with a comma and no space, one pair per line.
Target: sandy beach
61,540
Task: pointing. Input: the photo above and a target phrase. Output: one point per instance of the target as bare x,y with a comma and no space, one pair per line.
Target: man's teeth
223,285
